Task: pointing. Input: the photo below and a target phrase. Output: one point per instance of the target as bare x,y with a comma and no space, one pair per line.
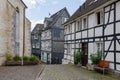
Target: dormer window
64,19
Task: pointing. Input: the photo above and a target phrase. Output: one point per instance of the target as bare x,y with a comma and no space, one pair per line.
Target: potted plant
95,58
78,58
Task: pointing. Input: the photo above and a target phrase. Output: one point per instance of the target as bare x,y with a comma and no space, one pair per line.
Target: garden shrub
33,58
95,58
16,58
77,57
9,57
25,58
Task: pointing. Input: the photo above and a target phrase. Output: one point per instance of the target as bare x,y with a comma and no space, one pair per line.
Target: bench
102,66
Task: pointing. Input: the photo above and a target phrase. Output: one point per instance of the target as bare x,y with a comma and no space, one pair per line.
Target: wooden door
85,54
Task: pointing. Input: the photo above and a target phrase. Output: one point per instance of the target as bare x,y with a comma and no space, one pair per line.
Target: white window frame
101,17
83,23
96,47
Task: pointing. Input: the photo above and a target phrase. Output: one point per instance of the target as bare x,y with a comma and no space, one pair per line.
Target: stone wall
7,27
27,38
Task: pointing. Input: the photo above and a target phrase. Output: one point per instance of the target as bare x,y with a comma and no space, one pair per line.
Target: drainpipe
23,36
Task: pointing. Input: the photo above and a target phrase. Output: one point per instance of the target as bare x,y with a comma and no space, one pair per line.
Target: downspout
23,36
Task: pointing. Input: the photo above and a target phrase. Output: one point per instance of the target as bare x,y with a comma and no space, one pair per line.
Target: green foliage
25,58
77,57
95,58
9,57
33,58
16,58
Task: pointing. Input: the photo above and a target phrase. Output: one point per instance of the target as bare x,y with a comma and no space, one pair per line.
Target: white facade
100,34
46,46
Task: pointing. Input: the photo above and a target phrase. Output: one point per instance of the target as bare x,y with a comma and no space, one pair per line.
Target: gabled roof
86,7
23,3
38,28
56,16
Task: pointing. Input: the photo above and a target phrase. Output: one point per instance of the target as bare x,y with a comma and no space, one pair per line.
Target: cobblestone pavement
69,72
20,72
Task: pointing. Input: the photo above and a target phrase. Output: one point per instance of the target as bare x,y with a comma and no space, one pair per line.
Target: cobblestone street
20,72
69,72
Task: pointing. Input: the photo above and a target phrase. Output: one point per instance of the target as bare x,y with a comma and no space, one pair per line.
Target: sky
39,9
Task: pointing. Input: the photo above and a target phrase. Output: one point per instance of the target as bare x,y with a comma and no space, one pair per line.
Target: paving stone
70,72
19,72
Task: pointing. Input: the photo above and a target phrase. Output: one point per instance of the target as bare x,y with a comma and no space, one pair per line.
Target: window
37,45
69,29
35,37
80,25
77,25
84,23
99,18
64,19
99,46
33,45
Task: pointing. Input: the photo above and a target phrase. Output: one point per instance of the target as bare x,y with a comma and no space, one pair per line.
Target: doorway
85,54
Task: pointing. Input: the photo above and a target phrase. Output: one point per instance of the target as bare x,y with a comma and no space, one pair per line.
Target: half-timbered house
52,37
94,26
36,39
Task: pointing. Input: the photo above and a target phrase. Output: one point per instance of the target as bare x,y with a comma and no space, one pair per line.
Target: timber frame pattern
113,38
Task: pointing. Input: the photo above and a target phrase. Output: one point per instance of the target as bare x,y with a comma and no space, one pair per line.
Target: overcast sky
39,9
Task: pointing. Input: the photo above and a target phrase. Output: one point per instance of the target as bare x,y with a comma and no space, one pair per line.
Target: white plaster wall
90,51
91,23
98,31
118,67
73,27
107,44
84,34
111,17
108,8
118,57
111,65
110,57
91,33
117,46
69,37
118,10
73,37
78,35
118,27
109,29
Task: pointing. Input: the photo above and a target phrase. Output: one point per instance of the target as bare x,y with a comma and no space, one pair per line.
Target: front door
48,58
85,54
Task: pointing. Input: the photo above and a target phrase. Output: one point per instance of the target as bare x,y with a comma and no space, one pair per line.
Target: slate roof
86,7
38,28
56,16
